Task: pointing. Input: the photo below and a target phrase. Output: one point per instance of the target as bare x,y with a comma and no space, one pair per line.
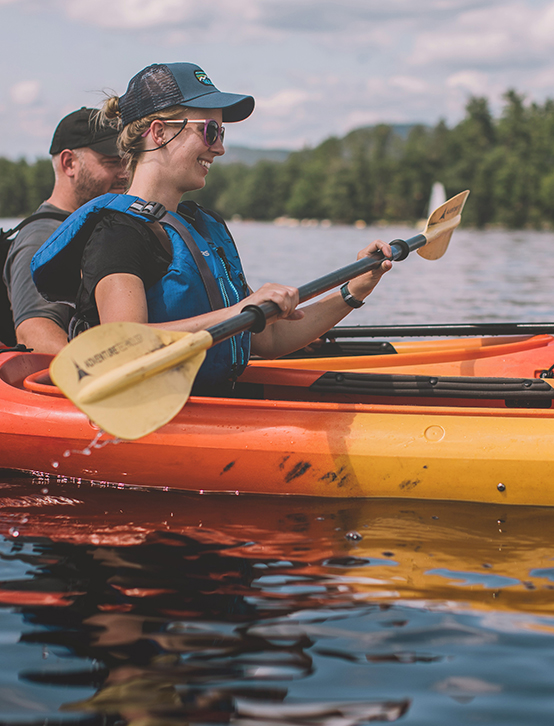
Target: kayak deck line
517,393
413,353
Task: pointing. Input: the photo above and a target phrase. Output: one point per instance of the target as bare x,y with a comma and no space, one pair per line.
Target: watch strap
349,299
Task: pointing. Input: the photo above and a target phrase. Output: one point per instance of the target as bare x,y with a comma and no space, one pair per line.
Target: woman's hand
284,296
361,286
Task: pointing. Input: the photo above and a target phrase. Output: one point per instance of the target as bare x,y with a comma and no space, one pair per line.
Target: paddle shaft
248,318
170,356
457,329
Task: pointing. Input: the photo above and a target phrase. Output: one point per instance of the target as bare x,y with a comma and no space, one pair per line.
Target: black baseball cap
80,129
160,86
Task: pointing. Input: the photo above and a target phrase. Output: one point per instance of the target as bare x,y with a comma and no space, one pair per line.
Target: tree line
376,174
24,186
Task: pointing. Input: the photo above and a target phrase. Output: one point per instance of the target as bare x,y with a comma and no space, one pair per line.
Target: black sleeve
119,244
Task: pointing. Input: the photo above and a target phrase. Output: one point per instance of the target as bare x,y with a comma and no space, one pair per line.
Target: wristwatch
349,299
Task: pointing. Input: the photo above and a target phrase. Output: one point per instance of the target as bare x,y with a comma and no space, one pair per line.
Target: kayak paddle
112,372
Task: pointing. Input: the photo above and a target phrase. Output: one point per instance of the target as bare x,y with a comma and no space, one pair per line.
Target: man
86,164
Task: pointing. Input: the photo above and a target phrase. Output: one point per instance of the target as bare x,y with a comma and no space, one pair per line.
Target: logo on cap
203,78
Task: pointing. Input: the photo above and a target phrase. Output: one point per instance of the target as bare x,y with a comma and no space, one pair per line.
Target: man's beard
87,187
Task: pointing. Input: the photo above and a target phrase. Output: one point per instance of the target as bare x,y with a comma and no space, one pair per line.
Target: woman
136,269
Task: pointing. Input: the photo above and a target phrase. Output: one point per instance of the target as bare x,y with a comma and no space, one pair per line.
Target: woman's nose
218,147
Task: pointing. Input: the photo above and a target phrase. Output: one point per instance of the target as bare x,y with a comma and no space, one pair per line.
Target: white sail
438,197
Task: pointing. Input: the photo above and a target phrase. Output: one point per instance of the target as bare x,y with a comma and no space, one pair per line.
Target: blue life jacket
180,293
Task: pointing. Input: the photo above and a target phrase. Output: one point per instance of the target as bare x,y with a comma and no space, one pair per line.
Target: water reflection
158,608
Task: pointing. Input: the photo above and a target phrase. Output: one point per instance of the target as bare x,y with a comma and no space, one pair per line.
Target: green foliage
376,173
23,186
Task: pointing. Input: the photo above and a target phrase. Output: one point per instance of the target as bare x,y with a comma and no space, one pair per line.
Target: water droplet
24,520
14,532
354,536
55,464
86,452
176,627
44,491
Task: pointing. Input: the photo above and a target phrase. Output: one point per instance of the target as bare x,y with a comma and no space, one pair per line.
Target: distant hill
403,130
245,155
249,157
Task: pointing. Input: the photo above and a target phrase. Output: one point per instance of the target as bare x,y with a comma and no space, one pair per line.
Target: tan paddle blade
440,226
100,368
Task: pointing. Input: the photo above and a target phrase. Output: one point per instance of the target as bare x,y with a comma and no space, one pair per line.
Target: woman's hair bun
111,108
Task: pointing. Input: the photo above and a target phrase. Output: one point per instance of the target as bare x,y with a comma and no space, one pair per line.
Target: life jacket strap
210,283
153,211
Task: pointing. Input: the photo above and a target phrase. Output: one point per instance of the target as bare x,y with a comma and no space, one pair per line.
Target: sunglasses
212,130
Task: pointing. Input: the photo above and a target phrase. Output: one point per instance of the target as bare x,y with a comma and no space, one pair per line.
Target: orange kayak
467,420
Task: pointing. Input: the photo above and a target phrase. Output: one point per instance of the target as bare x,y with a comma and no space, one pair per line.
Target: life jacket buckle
153,211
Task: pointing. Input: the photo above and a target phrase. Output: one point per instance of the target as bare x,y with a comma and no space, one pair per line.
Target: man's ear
68,162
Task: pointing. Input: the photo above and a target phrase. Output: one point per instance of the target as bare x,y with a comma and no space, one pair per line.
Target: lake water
153,608
494,276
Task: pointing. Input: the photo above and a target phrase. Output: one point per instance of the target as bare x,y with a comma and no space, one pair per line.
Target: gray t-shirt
25,299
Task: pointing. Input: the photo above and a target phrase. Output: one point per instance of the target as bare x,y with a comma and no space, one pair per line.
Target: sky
316,68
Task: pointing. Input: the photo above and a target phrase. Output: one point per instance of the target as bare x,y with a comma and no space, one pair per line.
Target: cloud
25,93
508,35
475,82
315,67
334,16
543,80
479,47
136,14
284,102
275,18
410,84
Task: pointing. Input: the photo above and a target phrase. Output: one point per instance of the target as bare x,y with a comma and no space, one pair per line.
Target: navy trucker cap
179,84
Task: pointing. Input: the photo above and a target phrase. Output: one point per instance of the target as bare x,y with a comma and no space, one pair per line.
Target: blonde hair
130,141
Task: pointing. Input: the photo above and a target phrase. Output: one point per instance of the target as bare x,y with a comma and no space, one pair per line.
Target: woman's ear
157,131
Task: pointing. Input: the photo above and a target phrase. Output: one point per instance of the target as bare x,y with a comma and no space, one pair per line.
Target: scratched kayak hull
481,451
